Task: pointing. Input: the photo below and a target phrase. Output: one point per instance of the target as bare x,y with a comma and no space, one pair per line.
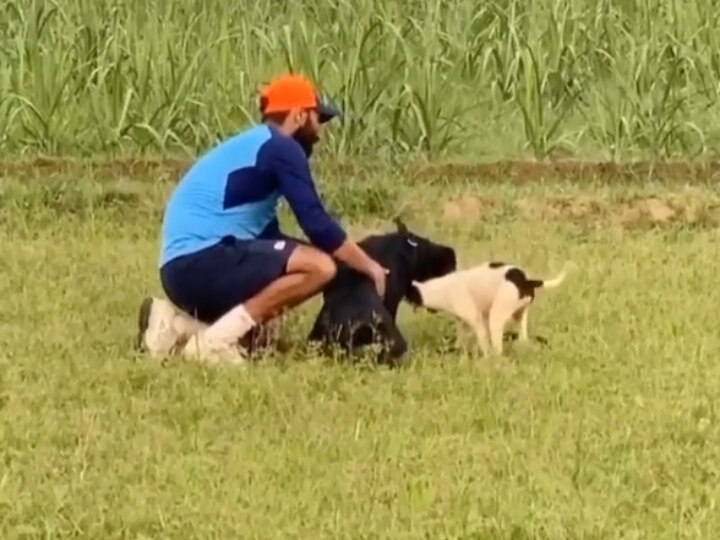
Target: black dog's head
408,257
427,259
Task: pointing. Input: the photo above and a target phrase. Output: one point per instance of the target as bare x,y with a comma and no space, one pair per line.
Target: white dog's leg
504,306
498,319
481,331
522,318
463,307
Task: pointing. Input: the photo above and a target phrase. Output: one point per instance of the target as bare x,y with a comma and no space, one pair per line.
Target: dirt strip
512,171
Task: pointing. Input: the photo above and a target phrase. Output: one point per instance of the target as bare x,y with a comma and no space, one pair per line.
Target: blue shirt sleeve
286,160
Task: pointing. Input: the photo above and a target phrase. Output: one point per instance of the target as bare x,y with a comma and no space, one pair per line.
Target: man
223,258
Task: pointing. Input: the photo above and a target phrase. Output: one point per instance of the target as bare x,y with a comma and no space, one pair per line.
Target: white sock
230,327
185,325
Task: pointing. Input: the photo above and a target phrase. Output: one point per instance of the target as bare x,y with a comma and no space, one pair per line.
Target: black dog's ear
401,227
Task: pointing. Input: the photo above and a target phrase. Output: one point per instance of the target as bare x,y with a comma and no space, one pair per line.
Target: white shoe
213,352
157,333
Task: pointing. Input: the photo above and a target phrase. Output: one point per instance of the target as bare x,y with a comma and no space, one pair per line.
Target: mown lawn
609,432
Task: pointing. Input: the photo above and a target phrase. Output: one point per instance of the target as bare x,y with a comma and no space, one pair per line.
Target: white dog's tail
554,282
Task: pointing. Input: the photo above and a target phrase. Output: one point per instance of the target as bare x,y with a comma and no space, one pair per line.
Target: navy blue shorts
211,282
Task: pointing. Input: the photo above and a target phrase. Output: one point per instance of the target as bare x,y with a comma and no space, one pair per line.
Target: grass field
609,432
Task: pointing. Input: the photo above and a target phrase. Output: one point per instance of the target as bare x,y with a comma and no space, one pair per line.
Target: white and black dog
486,297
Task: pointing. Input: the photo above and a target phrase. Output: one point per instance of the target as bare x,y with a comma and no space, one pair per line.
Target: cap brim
327,111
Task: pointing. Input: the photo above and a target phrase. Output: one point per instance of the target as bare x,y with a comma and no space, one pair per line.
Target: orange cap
291,91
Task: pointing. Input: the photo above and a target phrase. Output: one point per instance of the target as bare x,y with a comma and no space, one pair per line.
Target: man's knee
314,262
326,269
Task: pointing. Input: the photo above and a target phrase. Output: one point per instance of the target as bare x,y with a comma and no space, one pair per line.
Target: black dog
353,315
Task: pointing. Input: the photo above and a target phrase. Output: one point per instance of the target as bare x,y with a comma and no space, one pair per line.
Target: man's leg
306,271
267,334
190,283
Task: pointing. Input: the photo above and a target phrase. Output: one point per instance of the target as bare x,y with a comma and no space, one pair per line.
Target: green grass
611,432
477,80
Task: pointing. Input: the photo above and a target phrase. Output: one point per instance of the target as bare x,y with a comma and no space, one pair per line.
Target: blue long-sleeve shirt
233,190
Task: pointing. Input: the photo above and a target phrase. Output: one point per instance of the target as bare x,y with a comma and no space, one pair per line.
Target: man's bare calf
486,297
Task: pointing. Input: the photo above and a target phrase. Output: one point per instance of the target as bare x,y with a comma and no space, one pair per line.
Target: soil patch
628,212
508,171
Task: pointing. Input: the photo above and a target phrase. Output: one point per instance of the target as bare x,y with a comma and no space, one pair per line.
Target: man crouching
224,261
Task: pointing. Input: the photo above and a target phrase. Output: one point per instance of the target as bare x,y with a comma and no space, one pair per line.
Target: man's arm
288,162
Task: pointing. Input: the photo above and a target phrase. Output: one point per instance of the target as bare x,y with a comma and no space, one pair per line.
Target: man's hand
352,255
378,275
